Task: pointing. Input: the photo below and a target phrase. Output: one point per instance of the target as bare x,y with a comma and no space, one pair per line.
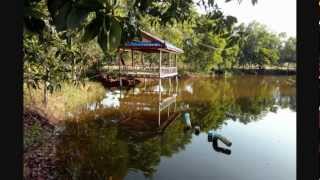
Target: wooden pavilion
148,43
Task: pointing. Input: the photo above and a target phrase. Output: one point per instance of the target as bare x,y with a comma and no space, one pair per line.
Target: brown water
130,135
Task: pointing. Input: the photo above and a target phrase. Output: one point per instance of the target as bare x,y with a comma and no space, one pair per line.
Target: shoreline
39,153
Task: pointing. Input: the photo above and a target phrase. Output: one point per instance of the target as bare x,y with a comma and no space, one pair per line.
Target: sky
277,15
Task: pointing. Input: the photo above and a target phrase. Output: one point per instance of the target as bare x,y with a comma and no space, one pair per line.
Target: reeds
66,100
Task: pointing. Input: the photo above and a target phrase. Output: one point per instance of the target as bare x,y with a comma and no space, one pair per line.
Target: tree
41,65
117,21
259,47
288,52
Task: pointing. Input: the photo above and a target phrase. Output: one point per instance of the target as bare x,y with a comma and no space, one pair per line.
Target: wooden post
159,120
177,84
160,64
159,116
175,106
169,59
142,58
175,60
120,81
169,85
132,58
159,89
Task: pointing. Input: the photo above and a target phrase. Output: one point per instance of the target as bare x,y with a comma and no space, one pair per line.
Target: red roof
151,43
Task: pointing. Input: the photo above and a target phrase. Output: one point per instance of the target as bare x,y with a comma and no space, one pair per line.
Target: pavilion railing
168,70
140,69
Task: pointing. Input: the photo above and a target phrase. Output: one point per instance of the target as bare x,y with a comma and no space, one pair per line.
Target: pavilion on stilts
163,68
138,68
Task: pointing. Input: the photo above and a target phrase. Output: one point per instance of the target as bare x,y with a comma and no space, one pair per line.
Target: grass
68,99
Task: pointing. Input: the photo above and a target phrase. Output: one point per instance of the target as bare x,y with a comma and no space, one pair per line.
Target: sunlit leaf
60,20
90,4
115,34
34,25
76,17
103,41
55,5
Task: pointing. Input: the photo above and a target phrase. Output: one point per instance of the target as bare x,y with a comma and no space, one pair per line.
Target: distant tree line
216,42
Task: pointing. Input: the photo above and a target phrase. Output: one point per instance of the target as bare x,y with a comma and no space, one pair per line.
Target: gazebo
147,44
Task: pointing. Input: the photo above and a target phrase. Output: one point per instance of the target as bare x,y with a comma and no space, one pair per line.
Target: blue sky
278,15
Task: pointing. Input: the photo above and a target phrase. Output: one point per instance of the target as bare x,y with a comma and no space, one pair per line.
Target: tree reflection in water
111,141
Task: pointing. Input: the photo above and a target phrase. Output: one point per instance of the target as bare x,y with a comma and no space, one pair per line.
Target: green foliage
288,51
260,46
211,41
34,15
120,18
41,65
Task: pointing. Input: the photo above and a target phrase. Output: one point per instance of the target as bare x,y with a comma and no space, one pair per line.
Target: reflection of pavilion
151,111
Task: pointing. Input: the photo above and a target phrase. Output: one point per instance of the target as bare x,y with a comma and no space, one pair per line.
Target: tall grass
68,99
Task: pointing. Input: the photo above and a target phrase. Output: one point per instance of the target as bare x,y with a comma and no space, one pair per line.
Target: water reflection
132,132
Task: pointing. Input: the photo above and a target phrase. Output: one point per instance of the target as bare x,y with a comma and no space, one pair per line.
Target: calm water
130,135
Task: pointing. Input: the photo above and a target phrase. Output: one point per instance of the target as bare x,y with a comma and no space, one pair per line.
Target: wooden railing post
175,60
169,59
160,64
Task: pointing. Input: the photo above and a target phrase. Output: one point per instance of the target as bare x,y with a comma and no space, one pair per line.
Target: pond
141,133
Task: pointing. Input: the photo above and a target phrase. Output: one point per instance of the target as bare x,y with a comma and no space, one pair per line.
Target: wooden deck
140,71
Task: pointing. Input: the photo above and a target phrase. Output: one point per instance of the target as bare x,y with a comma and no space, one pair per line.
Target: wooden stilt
159,117
119,60
169,85
132,58
177,84
159,120
159,89
142,59
160,59
175,60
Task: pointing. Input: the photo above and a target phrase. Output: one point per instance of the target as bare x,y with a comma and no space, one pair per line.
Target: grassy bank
68,99
39,129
